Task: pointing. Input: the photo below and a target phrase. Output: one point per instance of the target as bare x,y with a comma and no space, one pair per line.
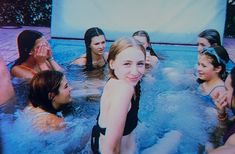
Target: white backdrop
175,21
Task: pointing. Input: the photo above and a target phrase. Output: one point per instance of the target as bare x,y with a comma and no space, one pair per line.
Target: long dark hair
233,80
146,35
41,85
90,33
212,36
26,41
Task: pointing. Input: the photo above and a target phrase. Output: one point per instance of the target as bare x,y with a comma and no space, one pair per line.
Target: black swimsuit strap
105,61
101,130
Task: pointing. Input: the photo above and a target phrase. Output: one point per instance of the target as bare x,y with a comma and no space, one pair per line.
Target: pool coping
8,44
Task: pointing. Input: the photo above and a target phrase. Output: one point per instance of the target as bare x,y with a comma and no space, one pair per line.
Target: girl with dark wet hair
142,36
95,57
212,70
35,55
49,93
208,38
218,58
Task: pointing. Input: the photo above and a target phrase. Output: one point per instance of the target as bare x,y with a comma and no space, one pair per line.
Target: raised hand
41,53
220,99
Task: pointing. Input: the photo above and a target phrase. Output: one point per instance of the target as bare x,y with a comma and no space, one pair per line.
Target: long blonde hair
118,46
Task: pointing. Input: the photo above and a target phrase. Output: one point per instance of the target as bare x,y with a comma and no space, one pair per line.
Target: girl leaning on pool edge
119,102
35,55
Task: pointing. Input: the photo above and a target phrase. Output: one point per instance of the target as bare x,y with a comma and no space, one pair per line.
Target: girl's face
206,70
129,65
202,43
42,45
143,40
64,94
98,45
229,89
40,42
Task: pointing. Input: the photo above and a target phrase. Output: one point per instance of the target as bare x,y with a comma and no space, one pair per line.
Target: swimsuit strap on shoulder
28,69
215,88
104,60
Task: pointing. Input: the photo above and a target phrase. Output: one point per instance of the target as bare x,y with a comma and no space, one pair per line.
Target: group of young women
127,59
216,84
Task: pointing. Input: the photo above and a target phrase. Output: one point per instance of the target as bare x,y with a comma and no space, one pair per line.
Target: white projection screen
176,21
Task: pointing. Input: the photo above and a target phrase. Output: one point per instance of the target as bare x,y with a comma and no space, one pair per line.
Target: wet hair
219,57
212,36
26,41
232,75
146,35
89,34
142,33
137,92
41,85
118,46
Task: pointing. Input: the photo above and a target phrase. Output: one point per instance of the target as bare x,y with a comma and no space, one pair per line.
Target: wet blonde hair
118,46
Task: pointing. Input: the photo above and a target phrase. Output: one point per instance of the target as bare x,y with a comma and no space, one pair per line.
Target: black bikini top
131,119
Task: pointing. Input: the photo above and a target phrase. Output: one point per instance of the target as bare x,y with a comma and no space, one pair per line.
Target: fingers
220,96
220,99
41,53
221,105
216,95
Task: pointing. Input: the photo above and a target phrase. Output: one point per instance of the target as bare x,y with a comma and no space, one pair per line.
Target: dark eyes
141,64
201,44
66,85
100,43
201,65
127,64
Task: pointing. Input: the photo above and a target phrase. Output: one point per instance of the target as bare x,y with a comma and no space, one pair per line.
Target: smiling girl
119,103
212,70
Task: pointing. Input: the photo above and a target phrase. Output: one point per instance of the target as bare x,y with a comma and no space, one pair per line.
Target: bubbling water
170,109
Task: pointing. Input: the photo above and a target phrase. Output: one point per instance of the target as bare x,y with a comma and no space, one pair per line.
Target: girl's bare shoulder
81,60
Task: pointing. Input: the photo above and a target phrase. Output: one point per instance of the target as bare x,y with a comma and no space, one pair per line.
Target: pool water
170,107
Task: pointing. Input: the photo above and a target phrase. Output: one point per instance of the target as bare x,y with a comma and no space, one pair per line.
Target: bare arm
48,123
6,88
81,61
16,71
117,113
228,148
55,65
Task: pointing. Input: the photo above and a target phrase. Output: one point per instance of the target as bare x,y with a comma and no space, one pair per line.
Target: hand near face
42,53
220,99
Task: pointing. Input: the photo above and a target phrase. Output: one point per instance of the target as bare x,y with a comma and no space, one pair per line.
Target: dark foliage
230,19
38,13
25,12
